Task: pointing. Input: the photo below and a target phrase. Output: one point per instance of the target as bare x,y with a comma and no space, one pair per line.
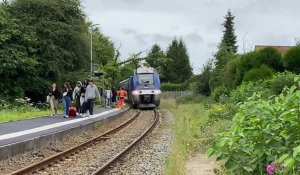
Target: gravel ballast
150,155
89,160
146,158
17,162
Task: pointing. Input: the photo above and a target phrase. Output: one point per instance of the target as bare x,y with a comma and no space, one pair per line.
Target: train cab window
145,79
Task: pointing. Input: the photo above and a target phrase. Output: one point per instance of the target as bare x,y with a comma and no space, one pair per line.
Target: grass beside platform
9,115
193,132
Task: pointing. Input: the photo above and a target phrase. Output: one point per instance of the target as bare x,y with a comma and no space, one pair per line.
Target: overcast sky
138,24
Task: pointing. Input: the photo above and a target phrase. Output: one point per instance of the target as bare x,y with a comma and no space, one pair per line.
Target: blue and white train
143,88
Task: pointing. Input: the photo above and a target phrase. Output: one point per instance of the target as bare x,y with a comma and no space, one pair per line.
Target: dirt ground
200,164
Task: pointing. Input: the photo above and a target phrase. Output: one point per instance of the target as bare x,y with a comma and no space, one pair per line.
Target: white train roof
141,70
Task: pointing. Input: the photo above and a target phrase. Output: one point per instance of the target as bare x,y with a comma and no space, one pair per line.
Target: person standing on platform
90,96
108,96
121,95
77,95
67,98
114,96
53,96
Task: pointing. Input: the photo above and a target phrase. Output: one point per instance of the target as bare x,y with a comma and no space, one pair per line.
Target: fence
174,94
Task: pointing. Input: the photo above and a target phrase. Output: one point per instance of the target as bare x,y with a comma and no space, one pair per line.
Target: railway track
44,165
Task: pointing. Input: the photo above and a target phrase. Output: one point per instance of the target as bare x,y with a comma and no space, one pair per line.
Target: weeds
22,108
193,133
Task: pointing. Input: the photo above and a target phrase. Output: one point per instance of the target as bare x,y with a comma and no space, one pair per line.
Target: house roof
281,49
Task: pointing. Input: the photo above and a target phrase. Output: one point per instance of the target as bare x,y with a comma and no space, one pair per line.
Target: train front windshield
145,79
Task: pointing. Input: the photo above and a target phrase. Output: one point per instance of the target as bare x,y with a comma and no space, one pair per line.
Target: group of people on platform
84,95
115,98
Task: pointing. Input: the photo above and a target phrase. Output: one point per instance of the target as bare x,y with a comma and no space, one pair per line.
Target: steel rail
42,165
125,150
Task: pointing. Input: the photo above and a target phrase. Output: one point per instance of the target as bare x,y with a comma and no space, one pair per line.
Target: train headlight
157,92
135,92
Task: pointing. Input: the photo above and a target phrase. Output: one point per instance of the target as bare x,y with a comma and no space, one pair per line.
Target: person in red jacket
121,96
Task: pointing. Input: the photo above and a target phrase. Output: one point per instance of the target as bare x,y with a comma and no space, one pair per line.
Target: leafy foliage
42,42
18,64
203,80
230,72
221,58
254,60
280,81
229,38
268,87
178,68
226,53
292,60
156,58
262,132
256,74
112,73
270,57
103,48
171,87
222,111
220,92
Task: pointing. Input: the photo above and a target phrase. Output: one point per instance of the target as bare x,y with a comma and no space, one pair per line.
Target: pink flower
271,168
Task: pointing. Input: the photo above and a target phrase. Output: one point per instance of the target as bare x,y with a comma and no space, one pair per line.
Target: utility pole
91,73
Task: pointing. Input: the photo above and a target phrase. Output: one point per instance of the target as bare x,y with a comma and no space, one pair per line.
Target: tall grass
189,118
193,131
8,115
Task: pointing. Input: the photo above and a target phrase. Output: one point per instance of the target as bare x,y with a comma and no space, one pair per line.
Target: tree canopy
42,42
178,68
229,37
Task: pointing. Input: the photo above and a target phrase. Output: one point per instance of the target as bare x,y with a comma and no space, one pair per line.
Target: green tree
270,57
292,60
221,59
103,48
58,32
253,60
229,37
297,40
18,64
204,79
230,72
157,59
258,73
155,56
178,68
226,51
221,56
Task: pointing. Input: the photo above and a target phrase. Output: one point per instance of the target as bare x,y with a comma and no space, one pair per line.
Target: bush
253,60
291,60
263,131
4,104
230,73
270,57
246,90
263,72
171,87
247,62
279,81
269,87
220,93
222,111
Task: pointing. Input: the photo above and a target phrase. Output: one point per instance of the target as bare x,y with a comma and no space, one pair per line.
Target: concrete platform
27,135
